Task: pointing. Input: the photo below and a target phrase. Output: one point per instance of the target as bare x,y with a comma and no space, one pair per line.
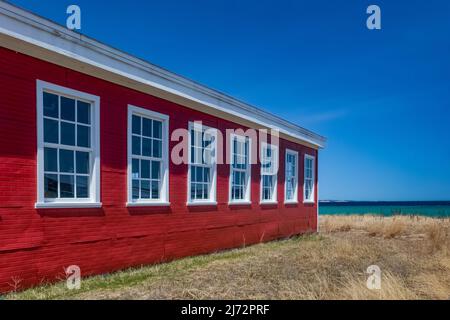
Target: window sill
239,203
291,202
67,205
309,202
206,203
148,204
268,203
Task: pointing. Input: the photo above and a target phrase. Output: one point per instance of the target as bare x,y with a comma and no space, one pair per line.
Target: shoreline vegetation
413,253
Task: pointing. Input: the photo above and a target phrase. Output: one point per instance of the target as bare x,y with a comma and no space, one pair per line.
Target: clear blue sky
382,98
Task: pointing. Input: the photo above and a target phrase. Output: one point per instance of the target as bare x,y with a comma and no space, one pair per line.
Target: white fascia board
30,28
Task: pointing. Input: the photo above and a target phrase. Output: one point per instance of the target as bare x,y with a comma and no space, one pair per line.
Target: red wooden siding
36,245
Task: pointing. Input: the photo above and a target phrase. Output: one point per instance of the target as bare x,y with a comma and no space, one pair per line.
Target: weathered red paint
36,245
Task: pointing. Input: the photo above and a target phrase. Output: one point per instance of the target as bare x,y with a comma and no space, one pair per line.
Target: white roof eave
30,28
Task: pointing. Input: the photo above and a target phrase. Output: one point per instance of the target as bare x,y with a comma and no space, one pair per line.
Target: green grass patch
149,274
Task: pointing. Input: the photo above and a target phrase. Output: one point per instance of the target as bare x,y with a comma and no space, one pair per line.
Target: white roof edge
29,27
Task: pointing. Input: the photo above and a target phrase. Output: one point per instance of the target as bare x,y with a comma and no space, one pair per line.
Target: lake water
424,208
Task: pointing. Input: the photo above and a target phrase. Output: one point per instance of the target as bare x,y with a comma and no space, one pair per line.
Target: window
308,186
240,169
291,177
147,157
202,164
269,170
68,147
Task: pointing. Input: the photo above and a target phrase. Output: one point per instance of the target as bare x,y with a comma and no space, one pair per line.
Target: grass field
412,252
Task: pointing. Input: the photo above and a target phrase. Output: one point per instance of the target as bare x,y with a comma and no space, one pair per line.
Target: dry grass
412,252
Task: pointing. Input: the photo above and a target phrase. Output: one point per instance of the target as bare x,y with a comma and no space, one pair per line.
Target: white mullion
134,156
75,195
66,147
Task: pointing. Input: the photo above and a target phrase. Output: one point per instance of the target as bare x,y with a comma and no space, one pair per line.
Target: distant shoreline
386,208
346,203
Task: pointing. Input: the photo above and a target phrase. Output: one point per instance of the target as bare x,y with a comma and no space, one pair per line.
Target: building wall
36,245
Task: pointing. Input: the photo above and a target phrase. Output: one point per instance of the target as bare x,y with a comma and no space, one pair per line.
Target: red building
108,162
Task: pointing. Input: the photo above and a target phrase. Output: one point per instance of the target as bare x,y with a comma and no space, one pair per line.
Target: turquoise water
434,209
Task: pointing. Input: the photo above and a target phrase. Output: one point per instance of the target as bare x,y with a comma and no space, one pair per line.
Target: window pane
136,146
198,155
199,191
157,148
136,125
66,161
67,109
199,176
157,129
267,194
82,162
156,174
83,112
206,175
193,190
66,186
51,132
237,178
192,150
145,169
193,173
307,194
207,156
82,187
50,159
146,127
83,136
205,191
289,193
135,189
192,134
155,190
146,147
67,133
198,138
51,105
135,169
51,186
145,189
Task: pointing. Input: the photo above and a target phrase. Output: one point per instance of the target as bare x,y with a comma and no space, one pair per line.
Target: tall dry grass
412,252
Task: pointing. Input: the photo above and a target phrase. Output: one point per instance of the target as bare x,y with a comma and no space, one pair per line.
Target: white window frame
275,155
248,171
213,192
295,200
94,185
313,174
164,194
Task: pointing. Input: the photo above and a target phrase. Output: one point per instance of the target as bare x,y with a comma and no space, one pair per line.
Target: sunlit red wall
36,245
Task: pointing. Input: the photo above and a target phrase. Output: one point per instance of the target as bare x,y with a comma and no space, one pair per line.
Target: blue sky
381,97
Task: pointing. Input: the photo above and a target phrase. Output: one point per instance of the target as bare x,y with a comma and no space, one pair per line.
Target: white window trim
164,200
94,200
295,200
275,151
313,169
212,201
248,172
